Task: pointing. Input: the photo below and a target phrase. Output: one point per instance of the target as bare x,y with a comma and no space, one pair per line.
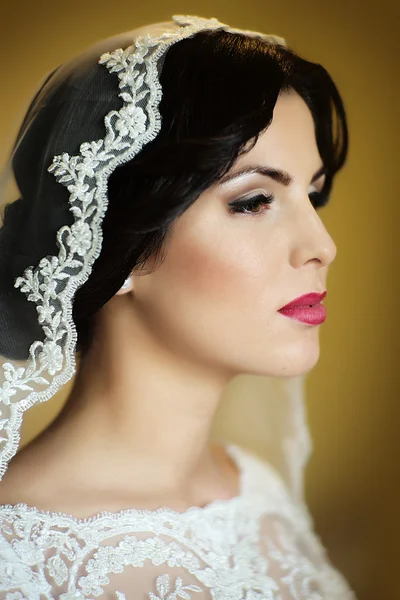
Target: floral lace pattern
256,546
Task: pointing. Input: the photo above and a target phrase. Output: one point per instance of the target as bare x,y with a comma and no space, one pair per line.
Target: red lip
306,300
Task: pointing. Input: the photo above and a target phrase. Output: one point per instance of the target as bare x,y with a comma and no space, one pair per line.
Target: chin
296,372
300,364
293,362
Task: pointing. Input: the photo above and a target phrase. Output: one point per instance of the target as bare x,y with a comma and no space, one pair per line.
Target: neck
141,412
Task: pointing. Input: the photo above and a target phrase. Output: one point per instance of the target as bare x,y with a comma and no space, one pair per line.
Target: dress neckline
235,452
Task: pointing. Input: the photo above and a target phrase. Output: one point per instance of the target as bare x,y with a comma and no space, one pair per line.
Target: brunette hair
219,90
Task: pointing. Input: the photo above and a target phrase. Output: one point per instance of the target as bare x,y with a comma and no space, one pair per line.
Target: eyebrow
280,176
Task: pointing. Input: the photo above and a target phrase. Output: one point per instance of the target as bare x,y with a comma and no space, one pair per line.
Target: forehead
291,134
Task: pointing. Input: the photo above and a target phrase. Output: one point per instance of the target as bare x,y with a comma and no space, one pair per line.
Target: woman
170,189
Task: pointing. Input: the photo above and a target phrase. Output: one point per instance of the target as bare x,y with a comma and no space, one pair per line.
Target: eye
251,205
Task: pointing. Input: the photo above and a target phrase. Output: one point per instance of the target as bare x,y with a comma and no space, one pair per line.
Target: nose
312,240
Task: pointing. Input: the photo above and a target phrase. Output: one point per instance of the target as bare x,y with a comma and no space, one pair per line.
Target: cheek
223,281
207,272
205,297
219,270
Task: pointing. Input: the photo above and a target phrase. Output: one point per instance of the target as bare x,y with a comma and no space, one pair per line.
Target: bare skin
135,429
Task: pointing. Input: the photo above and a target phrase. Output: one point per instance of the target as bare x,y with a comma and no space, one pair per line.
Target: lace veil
52,203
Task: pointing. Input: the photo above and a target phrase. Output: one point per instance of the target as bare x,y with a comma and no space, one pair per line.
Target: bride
168,237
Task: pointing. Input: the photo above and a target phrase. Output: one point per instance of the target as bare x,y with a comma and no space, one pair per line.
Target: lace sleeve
149,582
142,566
52,564
275,563
299,561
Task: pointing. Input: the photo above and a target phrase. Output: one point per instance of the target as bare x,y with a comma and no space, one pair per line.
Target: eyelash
245,206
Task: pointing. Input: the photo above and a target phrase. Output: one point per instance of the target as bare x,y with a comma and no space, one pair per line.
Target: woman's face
215,298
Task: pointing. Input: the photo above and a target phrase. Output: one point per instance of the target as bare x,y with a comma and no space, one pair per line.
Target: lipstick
307,309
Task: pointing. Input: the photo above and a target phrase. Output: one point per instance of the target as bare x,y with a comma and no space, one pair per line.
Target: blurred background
352,480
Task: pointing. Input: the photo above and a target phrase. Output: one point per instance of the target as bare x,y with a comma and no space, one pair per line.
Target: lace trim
222,552
260,485
166,512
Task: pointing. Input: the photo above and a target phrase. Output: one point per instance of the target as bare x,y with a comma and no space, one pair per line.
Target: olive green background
352,481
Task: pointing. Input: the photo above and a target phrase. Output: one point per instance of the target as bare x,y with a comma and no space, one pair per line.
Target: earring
126,283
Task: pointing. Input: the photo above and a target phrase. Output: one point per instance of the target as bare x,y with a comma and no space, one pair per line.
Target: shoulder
23,479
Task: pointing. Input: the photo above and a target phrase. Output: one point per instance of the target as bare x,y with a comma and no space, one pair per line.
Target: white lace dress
256,546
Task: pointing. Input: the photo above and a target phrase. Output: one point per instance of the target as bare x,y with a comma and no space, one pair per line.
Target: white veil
45,259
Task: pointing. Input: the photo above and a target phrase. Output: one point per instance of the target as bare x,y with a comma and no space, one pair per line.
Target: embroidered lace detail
52,284
256,546
181,591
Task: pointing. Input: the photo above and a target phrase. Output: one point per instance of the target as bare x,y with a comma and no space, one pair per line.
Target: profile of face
214,300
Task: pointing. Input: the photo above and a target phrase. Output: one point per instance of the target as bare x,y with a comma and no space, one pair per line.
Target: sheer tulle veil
51,234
